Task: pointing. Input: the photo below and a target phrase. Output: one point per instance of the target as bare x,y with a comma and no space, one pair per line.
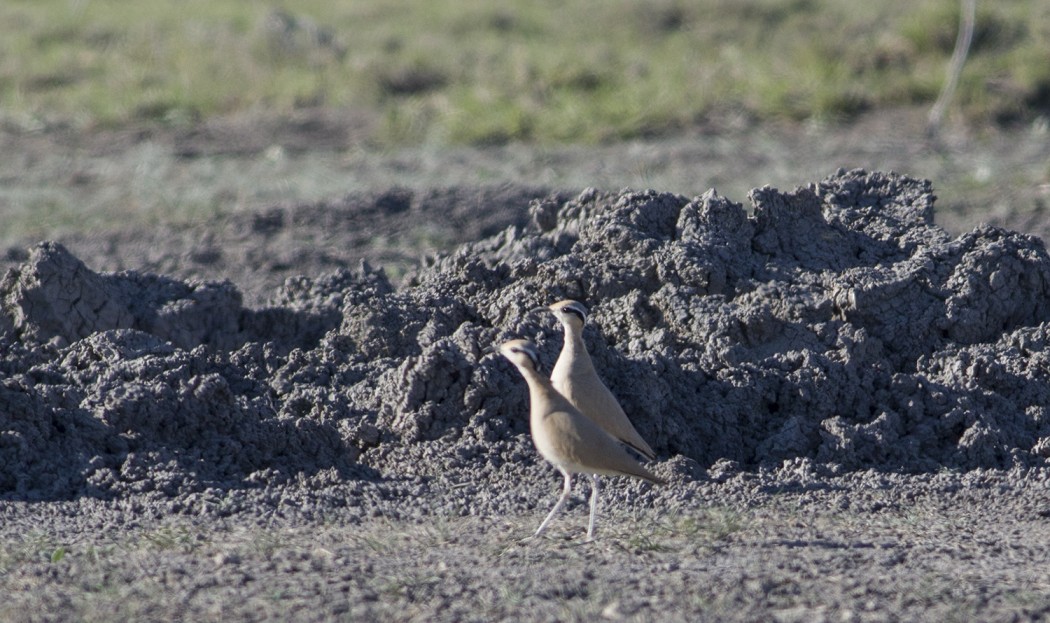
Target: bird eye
572,310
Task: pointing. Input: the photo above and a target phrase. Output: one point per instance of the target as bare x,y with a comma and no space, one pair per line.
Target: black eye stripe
530,353
573,309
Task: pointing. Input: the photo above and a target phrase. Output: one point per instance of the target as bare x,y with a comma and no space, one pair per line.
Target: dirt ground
755,547
257,200
204,451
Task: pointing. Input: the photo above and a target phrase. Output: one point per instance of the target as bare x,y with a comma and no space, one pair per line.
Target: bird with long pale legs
566,438
575,378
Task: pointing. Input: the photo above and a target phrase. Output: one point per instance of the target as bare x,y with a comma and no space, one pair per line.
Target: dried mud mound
837,324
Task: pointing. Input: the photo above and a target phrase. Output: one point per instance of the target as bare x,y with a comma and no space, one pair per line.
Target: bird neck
573,350
541,392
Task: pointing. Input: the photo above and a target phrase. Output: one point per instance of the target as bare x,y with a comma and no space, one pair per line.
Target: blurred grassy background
471,72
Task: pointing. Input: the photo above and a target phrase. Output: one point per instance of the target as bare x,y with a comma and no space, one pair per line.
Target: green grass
675,532
36,547
469,71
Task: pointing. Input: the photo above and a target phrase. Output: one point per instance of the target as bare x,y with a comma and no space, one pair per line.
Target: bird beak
535,310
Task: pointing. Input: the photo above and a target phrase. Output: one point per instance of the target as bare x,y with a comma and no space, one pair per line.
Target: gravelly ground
865,547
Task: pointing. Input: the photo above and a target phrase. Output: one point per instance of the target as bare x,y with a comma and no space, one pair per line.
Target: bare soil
865,435
255,199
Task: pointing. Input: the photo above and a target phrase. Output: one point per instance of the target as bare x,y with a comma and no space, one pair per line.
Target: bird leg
594,507
561,501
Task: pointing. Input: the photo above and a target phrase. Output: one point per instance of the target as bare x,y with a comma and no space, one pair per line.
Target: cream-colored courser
575,378
567,439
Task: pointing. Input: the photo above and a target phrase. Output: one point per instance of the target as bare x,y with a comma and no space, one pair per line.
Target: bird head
522,353
572,314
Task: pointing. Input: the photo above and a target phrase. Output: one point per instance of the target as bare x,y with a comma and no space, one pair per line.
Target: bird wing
605,410
578,444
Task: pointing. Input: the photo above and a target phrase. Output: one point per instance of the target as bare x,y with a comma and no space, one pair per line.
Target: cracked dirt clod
837,326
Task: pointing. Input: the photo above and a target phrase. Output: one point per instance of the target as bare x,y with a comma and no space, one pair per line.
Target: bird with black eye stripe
575,378
566,438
